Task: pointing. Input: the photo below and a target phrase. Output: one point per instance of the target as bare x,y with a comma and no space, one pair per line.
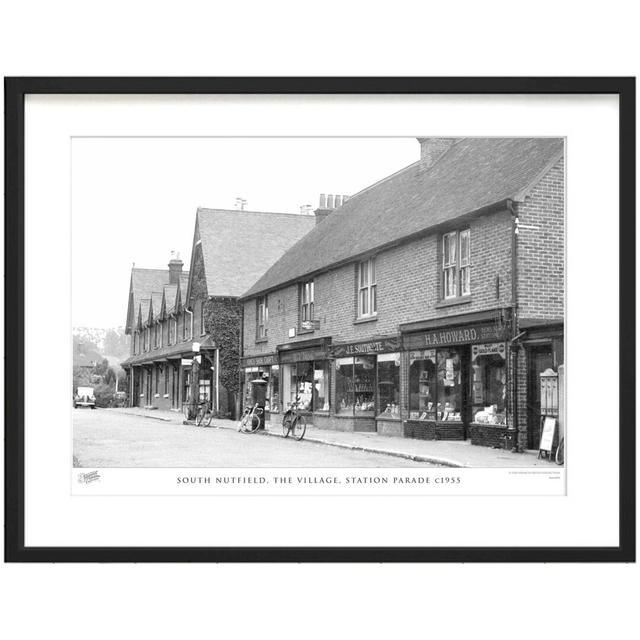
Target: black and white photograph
318,302
364,312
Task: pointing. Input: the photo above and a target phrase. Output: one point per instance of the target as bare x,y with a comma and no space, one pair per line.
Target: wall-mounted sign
489,332
186,362
383,345
292,332
303,355
258,361
492,348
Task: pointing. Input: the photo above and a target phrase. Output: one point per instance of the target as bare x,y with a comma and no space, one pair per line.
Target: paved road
103,438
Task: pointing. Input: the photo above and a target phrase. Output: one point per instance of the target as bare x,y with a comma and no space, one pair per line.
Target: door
540,358
135,390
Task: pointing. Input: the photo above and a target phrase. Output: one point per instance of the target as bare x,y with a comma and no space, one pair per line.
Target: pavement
440,452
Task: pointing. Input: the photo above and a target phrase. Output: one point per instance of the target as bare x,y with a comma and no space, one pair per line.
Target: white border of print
55,518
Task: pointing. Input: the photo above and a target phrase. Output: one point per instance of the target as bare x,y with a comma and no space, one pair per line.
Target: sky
134,200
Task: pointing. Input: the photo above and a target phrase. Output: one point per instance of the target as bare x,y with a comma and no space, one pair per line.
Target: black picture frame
15,91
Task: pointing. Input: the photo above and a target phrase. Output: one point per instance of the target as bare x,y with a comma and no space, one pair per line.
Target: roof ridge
383,180
265,213
417,163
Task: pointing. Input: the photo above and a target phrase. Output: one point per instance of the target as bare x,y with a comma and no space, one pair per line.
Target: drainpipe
515,336
191,314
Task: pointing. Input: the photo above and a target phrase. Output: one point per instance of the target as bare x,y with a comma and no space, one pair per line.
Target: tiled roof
145,281
156,302
144,310
237,246
170,291
474,173
149,285
170,351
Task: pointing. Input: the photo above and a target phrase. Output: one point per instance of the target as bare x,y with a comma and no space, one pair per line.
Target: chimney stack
328,203
175,268
432,148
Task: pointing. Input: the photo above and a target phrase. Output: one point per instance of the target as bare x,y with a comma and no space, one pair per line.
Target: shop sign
186,362
304,355
257,361
490,332
383,345
493,348
548,431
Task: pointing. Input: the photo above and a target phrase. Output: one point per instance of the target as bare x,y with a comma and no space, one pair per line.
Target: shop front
367,385
458,379
265,368
305,377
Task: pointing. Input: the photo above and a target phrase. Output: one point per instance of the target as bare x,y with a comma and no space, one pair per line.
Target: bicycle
251,419
560,452
293,422
205,414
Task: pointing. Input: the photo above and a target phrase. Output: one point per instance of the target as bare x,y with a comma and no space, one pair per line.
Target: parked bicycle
205,414
251,419
293,422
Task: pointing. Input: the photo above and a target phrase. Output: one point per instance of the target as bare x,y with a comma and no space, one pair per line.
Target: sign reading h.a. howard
456,335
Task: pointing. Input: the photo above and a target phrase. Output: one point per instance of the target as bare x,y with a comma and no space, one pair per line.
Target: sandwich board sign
548,432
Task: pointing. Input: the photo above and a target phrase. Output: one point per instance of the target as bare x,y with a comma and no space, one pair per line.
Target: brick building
186,326
428,304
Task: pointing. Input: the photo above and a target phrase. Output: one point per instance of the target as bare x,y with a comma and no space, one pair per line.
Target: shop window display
321,371
449,385
270,374
422,385
297,381
273,390
344,386
488,383
388,377
355,384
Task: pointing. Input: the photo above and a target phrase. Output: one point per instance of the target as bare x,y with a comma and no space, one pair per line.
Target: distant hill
92,343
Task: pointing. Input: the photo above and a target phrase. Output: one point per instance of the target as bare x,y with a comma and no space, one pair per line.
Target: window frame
307,304
262,314
456,271
369,289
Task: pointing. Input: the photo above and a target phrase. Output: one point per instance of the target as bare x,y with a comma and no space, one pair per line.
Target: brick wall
541,251
408,288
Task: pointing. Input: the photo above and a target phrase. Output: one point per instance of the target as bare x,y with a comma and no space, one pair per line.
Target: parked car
84,398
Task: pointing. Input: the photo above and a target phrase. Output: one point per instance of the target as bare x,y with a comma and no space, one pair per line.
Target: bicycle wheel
286,425
243,425
208,418
254,423
299,427
560,452
200,416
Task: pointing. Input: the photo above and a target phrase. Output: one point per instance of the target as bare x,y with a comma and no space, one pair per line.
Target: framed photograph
319,319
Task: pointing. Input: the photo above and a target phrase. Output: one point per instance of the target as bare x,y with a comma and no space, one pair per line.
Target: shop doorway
148,388
135,391
540,358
